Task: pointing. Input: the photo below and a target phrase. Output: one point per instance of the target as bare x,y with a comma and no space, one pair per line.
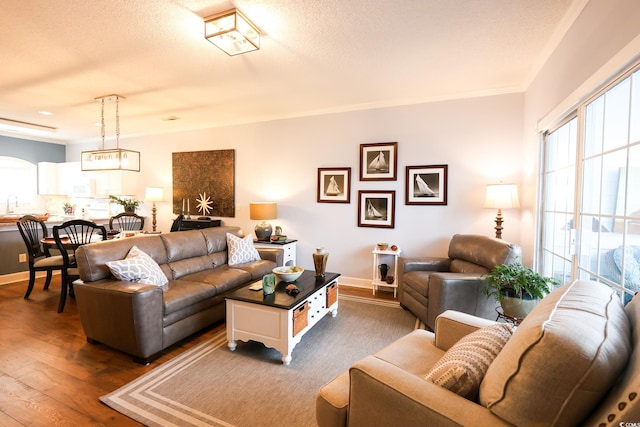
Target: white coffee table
280,320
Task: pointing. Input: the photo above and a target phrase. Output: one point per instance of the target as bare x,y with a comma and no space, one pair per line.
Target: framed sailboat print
334,185
426,185
376,209
378,162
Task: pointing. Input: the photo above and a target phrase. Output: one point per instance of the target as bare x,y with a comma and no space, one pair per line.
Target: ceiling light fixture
232,32
110,159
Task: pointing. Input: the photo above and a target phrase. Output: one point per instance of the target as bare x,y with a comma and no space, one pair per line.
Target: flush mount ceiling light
115,158
232,32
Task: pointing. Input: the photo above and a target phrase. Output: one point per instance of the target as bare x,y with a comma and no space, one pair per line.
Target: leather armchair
429,286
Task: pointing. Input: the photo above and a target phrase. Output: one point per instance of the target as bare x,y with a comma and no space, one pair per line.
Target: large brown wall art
204,179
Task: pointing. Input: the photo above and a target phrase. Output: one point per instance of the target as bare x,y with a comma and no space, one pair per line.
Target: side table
379,256
515,321
288,246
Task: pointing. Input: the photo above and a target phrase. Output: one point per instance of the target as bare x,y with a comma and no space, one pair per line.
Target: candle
188,208
182,206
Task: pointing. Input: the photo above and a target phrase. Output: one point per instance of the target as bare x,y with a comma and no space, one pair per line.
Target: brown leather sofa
142,319
429,286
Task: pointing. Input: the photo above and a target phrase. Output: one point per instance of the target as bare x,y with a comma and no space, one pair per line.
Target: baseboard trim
7,279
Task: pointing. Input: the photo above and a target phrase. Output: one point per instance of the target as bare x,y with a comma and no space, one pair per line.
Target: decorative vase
268,284
320,261
384,268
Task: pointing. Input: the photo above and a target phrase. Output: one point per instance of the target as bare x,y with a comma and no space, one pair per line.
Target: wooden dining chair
126,221
69,236
33,231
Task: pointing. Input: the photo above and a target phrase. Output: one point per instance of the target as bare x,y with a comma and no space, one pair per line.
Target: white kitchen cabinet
48,181
73,182
118,183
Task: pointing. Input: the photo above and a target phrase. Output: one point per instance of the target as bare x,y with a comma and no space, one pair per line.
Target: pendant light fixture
110,159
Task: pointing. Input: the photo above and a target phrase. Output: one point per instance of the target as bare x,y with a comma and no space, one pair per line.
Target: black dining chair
177,223
33,231
126,221
69,236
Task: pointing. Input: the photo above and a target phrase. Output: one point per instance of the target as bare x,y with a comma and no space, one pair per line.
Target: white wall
480,140
483,140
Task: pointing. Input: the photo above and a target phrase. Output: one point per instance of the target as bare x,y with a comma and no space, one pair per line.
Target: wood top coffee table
280,320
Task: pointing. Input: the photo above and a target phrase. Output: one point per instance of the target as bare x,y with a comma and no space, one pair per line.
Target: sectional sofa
142,319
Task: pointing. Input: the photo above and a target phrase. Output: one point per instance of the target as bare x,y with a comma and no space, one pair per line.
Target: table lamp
154,194
501,196
263,211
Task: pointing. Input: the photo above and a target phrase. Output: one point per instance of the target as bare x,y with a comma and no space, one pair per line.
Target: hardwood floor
51,376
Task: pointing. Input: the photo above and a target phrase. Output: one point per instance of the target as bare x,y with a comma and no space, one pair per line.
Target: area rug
209,385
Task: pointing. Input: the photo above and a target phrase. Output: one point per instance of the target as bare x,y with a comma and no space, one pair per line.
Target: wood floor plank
51,376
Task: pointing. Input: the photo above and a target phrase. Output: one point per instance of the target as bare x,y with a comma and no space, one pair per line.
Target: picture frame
426,185
334,185
379,162
376,209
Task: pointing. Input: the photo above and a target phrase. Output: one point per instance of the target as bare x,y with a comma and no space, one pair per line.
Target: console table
280,320
196,224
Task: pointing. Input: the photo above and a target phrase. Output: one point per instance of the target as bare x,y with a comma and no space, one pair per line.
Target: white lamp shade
154,194
502,196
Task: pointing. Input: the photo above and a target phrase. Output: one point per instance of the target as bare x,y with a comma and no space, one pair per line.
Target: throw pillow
463,366
139,267
241,250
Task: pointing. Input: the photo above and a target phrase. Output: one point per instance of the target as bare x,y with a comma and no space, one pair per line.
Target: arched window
18,183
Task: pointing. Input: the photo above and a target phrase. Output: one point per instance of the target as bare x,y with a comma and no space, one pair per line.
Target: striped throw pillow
463,366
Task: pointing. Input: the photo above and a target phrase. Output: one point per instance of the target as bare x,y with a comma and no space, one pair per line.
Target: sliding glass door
591,191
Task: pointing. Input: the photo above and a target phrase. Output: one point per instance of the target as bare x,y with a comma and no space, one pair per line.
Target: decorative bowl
383,246
288,273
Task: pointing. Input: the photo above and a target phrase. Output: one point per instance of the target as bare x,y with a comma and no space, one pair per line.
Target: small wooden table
280,320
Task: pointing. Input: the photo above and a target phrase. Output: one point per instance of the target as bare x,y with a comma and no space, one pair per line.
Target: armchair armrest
453,325
123,315
460,292
423,264
384,394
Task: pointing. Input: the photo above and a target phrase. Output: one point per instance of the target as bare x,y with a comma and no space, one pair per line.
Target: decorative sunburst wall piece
205,180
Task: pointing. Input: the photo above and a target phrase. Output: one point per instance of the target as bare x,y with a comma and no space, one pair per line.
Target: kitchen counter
50,222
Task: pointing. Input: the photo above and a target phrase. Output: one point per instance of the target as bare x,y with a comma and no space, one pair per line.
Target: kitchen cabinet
63,179
118,183
69,180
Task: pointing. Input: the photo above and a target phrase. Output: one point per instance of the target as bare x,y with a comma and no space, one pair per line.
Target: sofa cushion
241,250
562,359
464,365
138,267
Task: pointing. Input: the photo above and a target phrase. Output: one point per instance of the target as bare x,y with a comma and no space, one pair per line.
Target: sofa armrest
384,394
124,315
460,292
272,254
453,325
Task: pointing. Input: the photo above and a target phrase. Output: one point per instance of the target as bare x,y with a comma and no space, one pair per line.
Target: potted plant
67,208
129,205
517,287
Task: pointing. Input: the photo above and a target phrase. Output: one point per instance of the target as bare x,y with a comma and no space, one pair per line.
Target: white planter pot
517,308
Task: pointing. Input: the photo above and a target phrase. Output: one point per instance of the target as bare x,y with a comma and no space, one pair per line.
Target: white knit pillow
463,366
138,267
241,250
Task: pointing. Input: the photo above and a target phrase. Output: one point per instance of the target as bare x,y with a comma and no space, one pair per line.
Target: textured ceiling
316,56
